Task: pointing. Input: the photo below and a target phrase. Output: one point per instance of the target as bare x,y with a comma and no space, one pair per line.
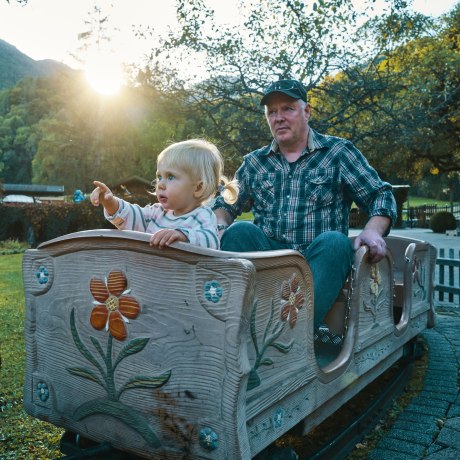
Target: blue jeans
330,257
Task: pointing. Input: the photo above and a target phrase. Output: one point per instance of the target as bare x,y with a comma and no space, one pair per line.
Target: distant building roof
31,189
18,199
133,186
133,180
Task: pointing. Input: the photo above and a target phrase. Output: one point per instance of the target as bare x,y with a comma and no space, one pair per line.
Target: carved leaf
253,380
97,345
142,381
85,373
79,344
283,348
133,347
253,327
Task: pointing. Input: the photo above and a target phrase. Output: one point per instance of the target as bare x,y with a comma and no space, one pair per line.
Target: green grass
415,201
12,247
246,216
21,436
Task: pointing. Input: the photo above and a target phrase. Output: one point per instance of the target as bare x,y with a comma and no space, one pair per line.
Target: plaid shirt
295,202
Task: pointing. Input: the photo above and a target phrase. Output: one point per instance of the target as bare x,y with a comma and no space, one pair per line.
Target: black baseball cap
291,88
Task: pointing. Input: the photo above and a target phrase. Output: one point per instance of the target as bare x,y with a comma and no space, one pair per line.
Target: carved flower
113,307
212,291
42,274
209,439
375,280
43,391
294,299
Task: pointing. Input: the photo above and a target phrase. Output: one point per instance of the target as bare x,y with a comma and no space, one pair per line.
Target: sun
104,73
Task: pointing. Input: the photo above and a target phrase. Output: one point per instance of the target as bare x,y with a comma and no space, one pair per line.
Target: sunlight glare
104,74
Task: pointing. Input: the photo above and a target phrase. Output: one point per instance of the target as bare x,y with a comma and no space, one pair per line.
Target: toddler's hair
202,161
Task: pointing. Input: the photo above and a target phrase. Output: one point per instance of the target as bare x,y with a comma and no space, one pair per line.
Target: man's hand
371,236
166,236
374,241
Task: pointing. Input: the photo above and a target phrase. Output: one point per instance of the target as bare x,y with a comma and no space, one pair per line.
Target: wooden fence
419,216
448,277
413,217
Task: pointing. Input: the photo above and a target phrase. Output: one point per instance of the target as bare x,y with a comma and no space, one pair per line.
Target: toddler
189,174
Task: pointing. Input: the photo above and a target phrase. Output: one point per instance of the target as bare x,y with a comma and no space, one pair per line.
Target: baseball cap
291,88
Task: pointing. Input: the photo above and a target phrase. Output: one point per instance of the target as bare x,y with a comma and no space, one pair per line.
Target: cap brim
287,92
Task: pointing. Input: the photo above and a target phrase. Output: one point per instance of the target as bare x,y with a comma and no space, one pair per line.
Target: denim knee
330,245
244,236
330,257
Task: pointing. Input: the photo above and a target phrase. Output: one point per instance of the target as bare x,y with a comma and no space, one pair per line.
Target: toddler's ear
198,189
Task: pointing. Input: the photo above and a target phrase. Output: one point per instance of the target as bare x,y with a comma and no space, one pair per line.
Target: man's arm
224,220
371,236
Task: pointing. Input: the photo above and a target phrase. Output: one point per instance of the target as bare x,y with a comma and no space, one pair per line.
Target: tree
287,39
408,120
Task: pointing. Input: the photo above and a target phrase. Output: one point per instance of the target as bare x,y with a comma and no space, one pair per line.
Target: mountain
15,65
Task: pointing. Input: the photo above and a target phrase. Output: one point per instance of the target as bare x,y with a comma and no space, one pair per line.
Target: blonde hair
202,161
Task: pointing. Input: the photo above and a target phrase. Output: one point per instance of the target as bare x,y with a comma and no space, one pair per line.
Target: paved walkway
429,427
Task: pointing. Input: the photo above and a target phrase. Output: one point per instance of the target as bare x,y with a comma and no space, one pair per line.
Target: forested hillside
15,65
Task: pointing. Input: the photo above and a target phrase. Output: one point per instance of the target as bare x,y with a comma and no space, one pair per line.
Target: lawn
415,201
21,436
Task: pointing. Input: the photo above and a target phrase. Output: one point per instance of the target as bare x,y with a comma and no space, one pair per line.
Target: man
300,189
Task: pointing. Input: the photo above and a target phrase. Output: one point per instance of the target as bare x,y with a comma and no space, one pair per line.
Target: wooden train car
196,353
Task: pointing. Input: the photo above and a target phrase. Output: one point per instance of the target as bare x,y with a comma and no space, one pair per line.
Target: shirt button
288,196
285,214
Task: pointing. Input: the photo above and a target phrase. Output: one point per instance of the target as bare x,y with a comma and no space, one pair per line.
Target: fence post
441,274
451,275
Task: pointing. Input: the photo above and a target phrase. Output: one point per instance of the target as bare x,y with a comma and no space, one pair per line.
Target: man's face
288,119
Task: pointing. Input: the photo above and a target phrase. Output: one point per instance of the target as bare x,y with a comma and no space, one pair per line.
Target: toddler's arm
103,195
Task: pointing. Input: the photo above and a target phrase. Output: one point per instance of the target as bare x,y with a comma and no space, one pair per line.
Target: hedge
35,223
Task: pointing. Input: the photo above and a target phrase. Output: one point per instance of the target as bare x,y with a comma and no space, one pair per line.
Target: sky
48,29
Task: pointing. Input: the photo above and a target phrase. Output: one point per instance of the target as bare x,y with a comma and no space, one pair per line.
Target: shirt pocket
321,186
263,190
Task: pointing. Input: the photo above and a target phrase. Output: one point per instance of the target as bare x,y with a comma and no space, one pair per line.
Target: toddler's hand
100,194
166,236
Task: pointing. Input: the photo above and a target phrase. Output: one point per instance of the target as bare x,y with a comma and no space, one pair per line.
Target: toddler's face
176,190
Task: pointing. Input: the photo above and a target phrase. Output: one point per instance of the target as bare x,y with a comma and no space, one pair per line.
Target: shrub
442,221
12,246
35,223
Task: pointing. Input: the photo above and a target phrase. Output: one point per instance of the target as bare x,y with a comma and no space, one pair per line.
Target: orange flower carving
113,308
294,299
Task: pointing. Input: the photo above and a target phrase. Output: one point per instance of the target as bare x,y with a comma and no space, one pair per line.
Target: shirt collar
313,143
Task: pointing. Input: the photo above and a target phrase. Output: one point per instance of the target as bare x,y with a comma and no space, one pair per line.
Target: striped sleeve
131,216
201,228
